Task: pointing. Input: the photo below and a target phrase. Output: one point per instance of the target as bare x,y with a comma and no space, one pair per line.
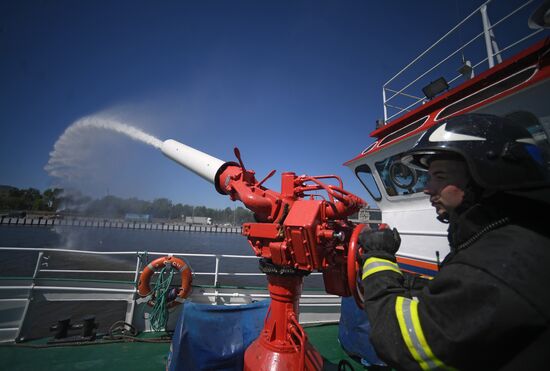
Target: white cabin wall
421,233
413,216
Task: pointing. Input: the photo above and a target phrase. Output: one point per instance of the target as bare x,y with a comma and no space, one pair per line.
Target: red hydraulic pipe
240,184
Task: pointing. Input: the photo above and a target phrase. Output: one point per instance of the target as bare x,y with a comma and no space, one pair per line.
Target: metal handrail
217,273
116,290
400,92
436,43
491,49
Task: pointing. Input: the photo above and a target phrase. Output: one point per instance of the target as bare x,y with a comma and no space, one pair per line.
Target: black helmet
501,154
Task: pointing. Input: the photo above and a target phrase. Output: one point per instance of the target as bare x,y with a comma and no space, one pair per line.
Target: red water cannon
302,229
296,228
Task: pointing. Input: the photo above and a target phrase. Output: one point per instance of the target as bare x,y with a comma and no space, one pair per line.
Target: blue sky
296,85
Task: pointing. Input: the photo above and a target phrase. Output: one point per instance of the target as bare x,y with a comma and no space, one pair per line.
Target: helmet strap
443,218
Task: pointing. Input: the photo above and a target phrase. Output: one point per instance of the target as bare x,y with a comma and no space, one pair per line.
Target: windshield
397,178
364,174
400,179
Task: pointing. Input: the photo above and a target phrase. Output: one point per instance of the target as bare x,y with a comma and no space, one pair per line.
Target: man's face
447,181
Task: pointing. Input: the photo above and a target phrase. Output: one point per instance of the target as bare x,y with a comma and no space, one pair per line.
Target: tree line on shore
58,201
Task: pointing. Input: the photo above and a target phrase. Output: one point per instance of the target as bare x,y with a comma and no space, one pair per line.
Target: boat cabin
517,87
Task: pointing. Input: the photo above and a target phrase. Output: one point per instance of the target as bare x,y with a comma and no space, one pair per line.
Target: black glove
386,240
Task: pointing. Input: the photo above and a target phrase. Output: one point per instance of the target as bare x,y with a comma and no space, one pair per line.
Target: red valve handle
354,269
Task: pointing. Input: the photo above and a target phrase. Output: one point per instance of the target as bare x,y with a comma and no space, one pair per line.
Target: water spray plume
73,156
68,152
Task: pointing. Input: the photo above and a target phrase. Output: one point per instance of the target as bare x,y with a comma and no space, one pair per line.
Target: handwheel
353,266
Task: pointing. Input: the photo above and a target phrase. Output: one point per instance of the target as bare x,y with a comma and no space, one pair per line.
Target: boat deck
147,354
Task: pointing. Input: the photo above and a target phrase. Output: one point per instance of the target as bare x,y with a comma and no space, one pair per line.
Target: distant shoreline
116,223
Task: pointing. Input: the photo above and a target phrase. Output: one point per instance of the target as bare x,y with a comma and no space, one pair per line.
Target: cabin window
399,179
484,94
527,107
366,178
405,130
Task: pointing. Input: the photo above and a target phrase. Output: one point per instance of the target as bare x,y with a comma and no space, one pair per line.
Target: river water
114,239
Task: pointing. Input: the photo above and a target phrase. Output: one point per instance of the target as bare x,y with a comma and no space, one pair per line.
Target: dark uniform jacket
488,307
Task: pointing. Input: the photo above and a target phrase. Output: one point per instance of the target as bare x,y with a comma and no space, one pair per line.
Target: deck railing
404,98
216,274
44,279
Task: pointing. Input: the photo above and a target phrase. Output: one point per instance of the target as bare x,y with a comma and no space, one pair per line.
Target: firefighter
489,305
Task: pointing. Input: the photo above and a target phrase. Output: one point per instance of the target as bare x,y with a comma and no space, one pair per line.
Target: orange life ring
144,287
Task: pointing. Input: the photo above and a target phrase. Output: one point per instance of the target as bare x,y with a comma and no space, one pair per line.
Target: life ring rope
184,267
144,283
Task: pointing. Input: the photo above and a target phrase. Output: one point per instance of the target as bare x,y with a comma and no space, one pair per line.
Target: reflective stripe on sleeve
373,265
409,323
